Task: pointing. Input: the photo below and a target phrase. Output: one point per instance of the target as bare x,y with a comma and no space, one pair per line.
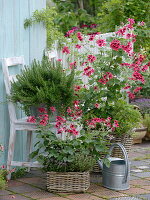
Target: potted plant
108,70
143,104
68,161
129,118
43,84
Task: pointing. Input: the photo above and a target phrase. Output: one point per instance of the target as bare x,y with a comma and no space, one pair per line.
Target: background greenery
61,15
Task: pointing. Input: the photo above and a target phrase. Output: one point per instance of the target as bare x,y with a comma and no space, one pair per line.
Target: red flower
43,122
77,88
42,110
76,102
131,21
101,43
92,36
138,77
73,64
31,119
106,78
91,58
69,33
103,81
127,48
97,105
69,110
127,87
122,31
141,23
115,124
137,89
144,68
109,75
66,50
78,46
79,36
115,45
95,88
60,119
93,25
52,108
125,64
131,95
88,71
84,26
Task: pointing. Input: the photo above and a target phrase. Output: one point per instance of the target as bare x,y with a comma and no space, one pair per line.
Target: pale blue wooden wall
16,41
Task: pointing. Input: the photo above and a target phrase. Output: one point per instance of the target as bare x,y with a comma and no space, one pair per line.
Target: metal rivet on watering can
116,177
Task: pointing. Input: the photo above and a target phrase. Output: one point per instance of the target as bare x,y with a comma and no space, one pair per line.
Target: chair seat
23,121
22,124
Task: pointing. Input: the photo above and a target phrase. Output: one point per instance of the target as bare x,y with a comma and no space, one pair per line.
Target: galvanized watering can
116,177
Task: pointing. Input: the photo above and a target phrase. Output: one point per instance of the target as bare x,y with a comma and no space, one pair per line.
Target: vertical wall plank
16,41
35,33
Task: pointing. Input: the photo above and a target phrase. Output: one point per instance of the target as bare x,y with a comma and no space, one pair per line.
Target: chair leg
29,146
11,149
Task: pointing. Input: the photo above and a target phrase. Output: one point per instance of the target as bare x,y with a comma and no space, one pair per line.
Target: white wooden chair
52,56
16,124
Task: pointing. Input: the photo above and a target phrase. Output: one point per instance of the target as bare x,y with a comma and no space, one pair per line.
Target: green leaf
34,154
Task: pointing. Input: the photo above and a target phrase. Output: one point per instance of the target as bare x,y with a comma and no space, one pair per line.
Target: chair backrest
8,78
52,56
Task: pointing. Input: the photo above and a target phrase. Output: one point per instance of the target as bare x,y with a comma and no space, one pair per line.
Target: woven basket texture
68,181
126,141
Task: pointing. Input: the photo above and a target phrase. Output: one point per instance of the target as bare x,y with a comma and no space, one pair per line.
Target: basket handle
125,157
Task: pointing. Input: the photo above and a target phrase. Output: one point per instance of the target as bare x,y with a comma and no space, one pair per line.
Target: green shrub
2,179
43,84
128,117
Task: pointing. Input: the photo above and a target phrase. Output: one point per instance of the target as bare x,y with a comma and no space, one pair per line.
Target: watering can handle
125,156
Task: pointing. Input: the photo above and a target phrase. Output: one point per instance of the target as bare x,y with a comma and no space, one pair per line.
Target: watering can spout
100,164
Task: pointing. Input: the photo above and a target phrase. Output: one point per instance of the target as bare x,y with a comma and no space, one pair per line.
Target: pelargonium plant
106,69
68,147
70,124
84,28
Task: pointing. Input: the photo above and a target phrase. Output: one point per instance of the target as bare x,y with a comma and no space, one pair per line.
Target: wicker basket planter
68,181
126,141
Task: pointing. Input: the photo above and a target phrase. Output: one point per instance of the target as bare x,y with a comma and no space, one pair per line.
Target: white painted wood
29,146
26,164
16,124
52,54
14,61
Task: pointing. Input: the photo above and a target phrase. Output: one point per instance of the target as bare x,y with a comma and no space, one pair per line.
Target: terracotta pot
139,135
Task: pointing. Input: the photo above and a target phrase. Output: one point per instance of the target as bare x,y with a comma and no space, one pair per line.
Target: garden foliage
43,84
